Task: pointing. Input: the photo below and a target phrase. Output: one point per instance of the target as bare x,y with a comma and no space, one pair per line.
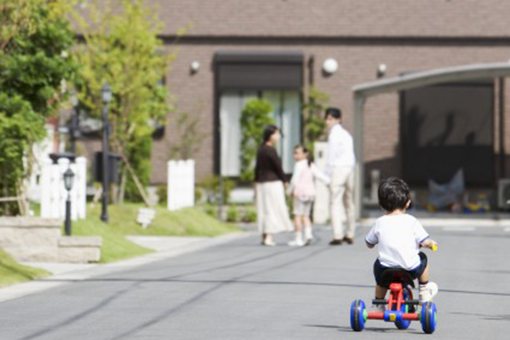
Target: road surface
241,290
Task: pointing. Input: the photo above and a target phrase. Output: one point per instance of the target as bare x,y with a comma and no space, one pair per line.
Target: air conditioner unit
504,194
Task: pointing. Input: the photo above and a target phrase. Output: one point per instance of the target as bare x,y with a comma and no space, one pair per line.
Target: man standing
340,168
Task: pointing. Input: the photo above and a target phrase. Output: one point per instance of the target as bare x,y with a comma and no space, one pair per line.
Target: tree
188,139
122,47
256,115
34,65
314,121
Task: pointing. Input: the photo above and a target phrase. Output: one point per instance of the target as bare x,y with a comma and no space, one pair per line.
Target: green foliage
256,115
212,186
314,119
184,222
199,195
210,210
162,193
122,48
232,214
188,139
34,66
20,126
250,216
12,272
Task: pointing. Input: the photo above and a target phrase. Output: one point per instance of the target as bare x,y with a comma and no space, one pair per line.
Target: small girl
302,188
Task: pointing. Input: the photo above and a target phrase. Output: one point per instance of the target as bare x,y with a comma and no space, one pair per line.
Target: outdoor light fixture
330,66
74,99
68,179
74,123
381,70
68,184
194,66
106,95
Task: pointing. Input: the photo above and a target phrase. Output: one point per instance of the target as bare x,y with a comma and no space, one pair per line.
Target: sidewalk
164,247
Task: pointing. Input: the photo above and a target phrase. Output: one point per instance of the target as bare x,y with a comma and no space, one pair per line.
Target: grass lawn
122,222
12,272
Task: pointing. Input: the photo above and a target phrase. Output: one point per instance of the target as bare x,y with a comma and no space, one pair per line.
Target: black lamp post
106,95
74,123
68,184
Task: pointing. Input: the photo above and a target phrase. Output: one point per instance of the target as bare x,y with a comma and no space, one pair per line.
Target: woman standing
272,213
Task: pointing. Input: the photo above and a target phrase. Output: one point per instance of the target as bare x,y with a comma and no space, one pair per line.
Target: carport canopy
406,82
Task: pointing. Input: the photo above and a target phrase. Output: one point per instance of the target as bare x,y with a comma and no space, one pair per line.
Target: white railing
181,184
53,192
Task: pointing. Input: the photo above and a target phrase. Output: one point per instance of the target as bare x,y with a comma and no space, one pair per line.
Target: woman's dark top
268,167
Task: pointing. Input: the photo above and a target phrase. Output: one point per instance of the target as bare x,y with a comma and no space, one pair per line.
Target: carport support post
359,103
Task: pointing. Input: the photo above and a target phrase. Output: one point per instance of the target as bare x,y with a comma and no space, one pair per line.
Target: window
239,77
287,116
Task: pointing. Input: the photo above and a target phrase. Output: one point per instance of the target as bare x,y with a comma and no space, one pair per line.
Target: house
235,50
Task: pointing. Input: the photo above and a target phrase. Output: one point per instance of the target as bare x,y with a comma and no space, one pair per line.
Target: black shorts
415,273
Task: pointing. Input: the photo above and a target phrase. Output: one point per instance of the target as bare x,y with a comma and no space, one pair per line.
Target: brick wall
333,18
357,64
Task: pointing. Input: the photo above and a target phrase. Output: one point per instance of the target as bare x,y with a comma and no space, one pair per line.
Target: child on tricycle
399,237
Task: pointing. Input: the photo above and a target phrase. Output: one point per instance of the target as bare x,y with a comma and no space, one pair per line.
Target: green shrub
256,115
199,194
315,126
212,183
250,216
210,210
232,214
162,194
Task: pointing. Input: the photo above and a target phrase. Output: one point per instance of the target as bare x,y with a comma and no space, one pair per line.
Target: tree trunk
122,187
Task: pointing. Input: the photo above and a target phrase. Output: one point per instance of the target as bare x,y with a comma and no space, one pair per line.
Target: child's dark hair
393,194
305,150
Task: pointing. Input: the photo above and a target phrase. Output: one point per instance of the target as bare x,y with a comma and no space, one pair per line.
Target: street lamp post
68,184
74,123
106,96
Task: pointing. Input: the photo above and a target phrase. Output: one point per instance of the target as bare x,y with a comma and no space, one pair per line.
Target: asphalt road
241,290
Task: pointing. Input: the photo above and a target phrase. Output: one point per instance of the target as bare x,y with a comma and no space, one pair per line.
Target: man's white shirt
340,151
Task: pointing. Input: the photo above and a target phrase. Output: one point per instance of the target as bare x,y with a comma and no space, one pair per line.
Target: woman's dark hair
393,194
268,132
333,112
305,150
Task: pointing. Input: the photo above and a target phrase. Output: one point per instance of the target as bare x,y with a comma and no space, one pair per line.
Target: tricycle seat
397,275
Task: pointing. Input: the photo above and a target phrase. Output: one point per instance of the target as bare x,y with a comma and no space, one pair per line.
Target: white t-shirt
340,152
398,238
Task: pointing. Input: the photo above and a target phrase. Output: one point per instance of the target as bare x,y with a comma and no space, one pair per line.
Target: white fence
181,184
53,192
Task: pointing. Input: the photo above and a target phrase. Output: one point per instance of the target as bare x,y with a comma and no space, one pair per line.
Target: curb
32,287
452,222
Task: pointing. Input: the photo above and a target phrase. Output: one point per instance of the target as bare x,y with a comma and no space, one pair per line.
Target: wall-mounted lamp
381,70
330,66
194,67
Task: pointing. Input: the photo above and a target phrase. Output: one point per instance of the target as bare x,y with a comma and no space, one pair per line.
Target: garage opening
448,127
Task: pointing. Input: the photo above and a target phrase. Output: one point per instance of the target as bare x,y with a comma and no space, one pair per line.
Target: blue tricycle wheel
404,324
358,315
428,317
